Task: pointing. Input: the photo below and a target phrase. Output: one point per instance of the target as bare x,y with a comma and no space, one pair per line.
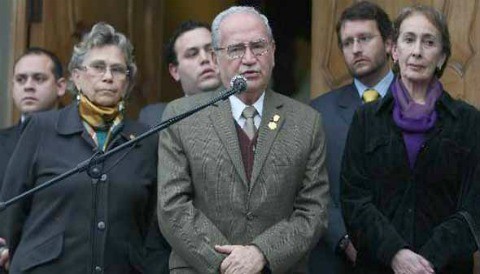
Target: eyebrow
419,34
103,61
200,46
363,34
30,74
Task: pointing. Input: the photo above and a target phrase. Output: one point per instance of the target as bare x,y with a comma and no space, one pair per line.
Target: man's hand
409,262
351,253
4,255
241,259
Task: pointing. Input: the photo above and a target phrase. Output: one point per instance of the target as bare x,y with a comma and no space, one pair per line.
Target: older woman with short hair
95,222
410,168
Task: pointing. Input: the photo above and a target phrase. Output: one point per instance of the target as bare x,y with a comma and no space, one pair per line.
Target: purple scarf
415,120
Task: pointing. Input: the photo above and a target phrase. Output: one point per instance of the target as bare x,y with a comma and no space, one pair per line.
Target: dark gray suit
205,197
8,140
151,115
337,108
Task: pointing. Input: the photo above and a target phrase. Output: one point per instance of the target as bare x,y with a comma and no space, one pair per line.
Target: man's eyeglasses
99,69
236,51
361,40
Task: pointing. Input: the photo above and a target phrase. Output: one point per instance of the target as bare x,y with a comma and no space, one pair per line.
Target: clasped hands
4,257
241,259
406,261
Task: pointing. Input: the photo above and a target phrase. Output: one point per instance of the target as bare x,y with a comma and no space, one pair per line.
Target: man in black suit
188,54
364,37
38,83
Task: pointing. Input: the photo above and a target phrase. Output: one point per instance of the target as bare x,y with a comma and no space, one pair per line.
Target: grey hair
103,34
233,10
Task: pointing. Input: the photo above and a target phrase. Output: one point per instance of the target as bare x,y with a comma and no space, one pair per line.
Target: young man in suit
242,185
38,84
364,37
188,55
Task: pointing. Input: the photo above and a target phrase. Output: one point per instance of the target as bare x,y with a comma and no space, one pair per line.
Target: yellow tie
370,95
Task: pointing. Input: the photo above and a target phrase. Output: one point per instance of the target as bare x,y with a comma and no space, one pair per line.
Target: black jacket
80,225
8,140
388,206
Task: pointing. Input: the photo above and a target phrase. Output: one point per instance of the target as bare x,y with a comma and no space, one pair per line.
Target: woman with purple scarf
409,176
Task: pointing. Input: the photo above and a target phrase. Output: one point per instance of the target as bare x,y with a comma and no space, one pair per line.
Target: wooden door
461,75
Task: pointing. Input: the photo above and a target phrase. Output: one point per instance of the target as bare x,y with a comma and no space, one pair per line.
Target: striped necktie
249,113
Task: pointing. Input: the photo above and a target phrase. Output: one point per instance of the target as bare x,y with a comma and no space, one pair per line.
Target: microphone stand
95,172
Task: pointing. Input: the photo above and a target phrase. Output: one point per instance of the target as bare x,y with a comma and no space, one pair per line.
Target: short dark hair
365,10
437,19
169,49
57,69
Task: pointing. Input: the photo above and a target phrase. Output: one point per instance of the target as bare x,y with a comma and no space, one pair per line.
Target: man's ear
388,46
273,52
61,84
173,70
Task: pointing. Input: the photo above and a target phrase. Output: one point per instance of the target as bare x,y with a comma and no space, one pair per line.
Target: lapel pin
276,117
272,125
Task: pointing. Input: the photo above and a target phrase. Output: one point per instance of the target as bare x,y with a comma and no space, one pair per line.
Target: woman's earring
121,106
438,69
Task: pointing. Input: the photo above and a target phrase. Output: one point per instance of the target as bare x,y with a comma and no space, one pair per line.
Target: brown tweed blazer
205,199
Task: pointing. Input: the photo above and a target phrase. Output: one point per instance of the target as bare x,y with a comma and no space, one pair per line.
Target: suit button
250,216
101,225
103,178
94,171
98,269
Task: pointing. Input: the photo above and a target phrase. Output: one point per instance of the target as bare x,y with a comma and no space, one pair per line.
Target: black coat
80,225
388,206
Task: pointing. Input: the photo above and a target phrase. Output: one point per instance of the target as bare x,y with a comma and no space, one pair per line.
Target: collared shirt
381,87
238,106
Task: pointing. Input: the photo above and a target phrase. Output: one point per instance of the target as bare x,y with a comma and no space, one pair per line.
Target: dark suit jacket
151,115
81,224
205,199
8,140
337,108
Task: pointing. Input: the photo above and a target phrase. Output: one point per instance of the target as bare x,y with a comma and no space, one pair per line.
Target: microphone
238,84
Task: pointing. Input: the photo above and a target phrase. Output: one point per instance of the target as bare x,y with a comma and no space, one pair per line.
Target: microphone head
238,83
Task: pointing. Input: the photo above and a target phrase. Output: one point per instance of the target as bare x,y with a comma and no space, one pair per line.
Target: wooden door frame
18,43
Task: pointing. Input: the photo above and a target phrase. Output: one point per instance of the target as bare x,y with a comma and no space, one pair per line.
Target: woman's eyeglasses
99,69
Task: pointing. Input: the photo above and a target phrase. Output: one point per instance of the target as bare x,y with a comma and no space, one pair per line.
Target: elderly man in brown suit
231,198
